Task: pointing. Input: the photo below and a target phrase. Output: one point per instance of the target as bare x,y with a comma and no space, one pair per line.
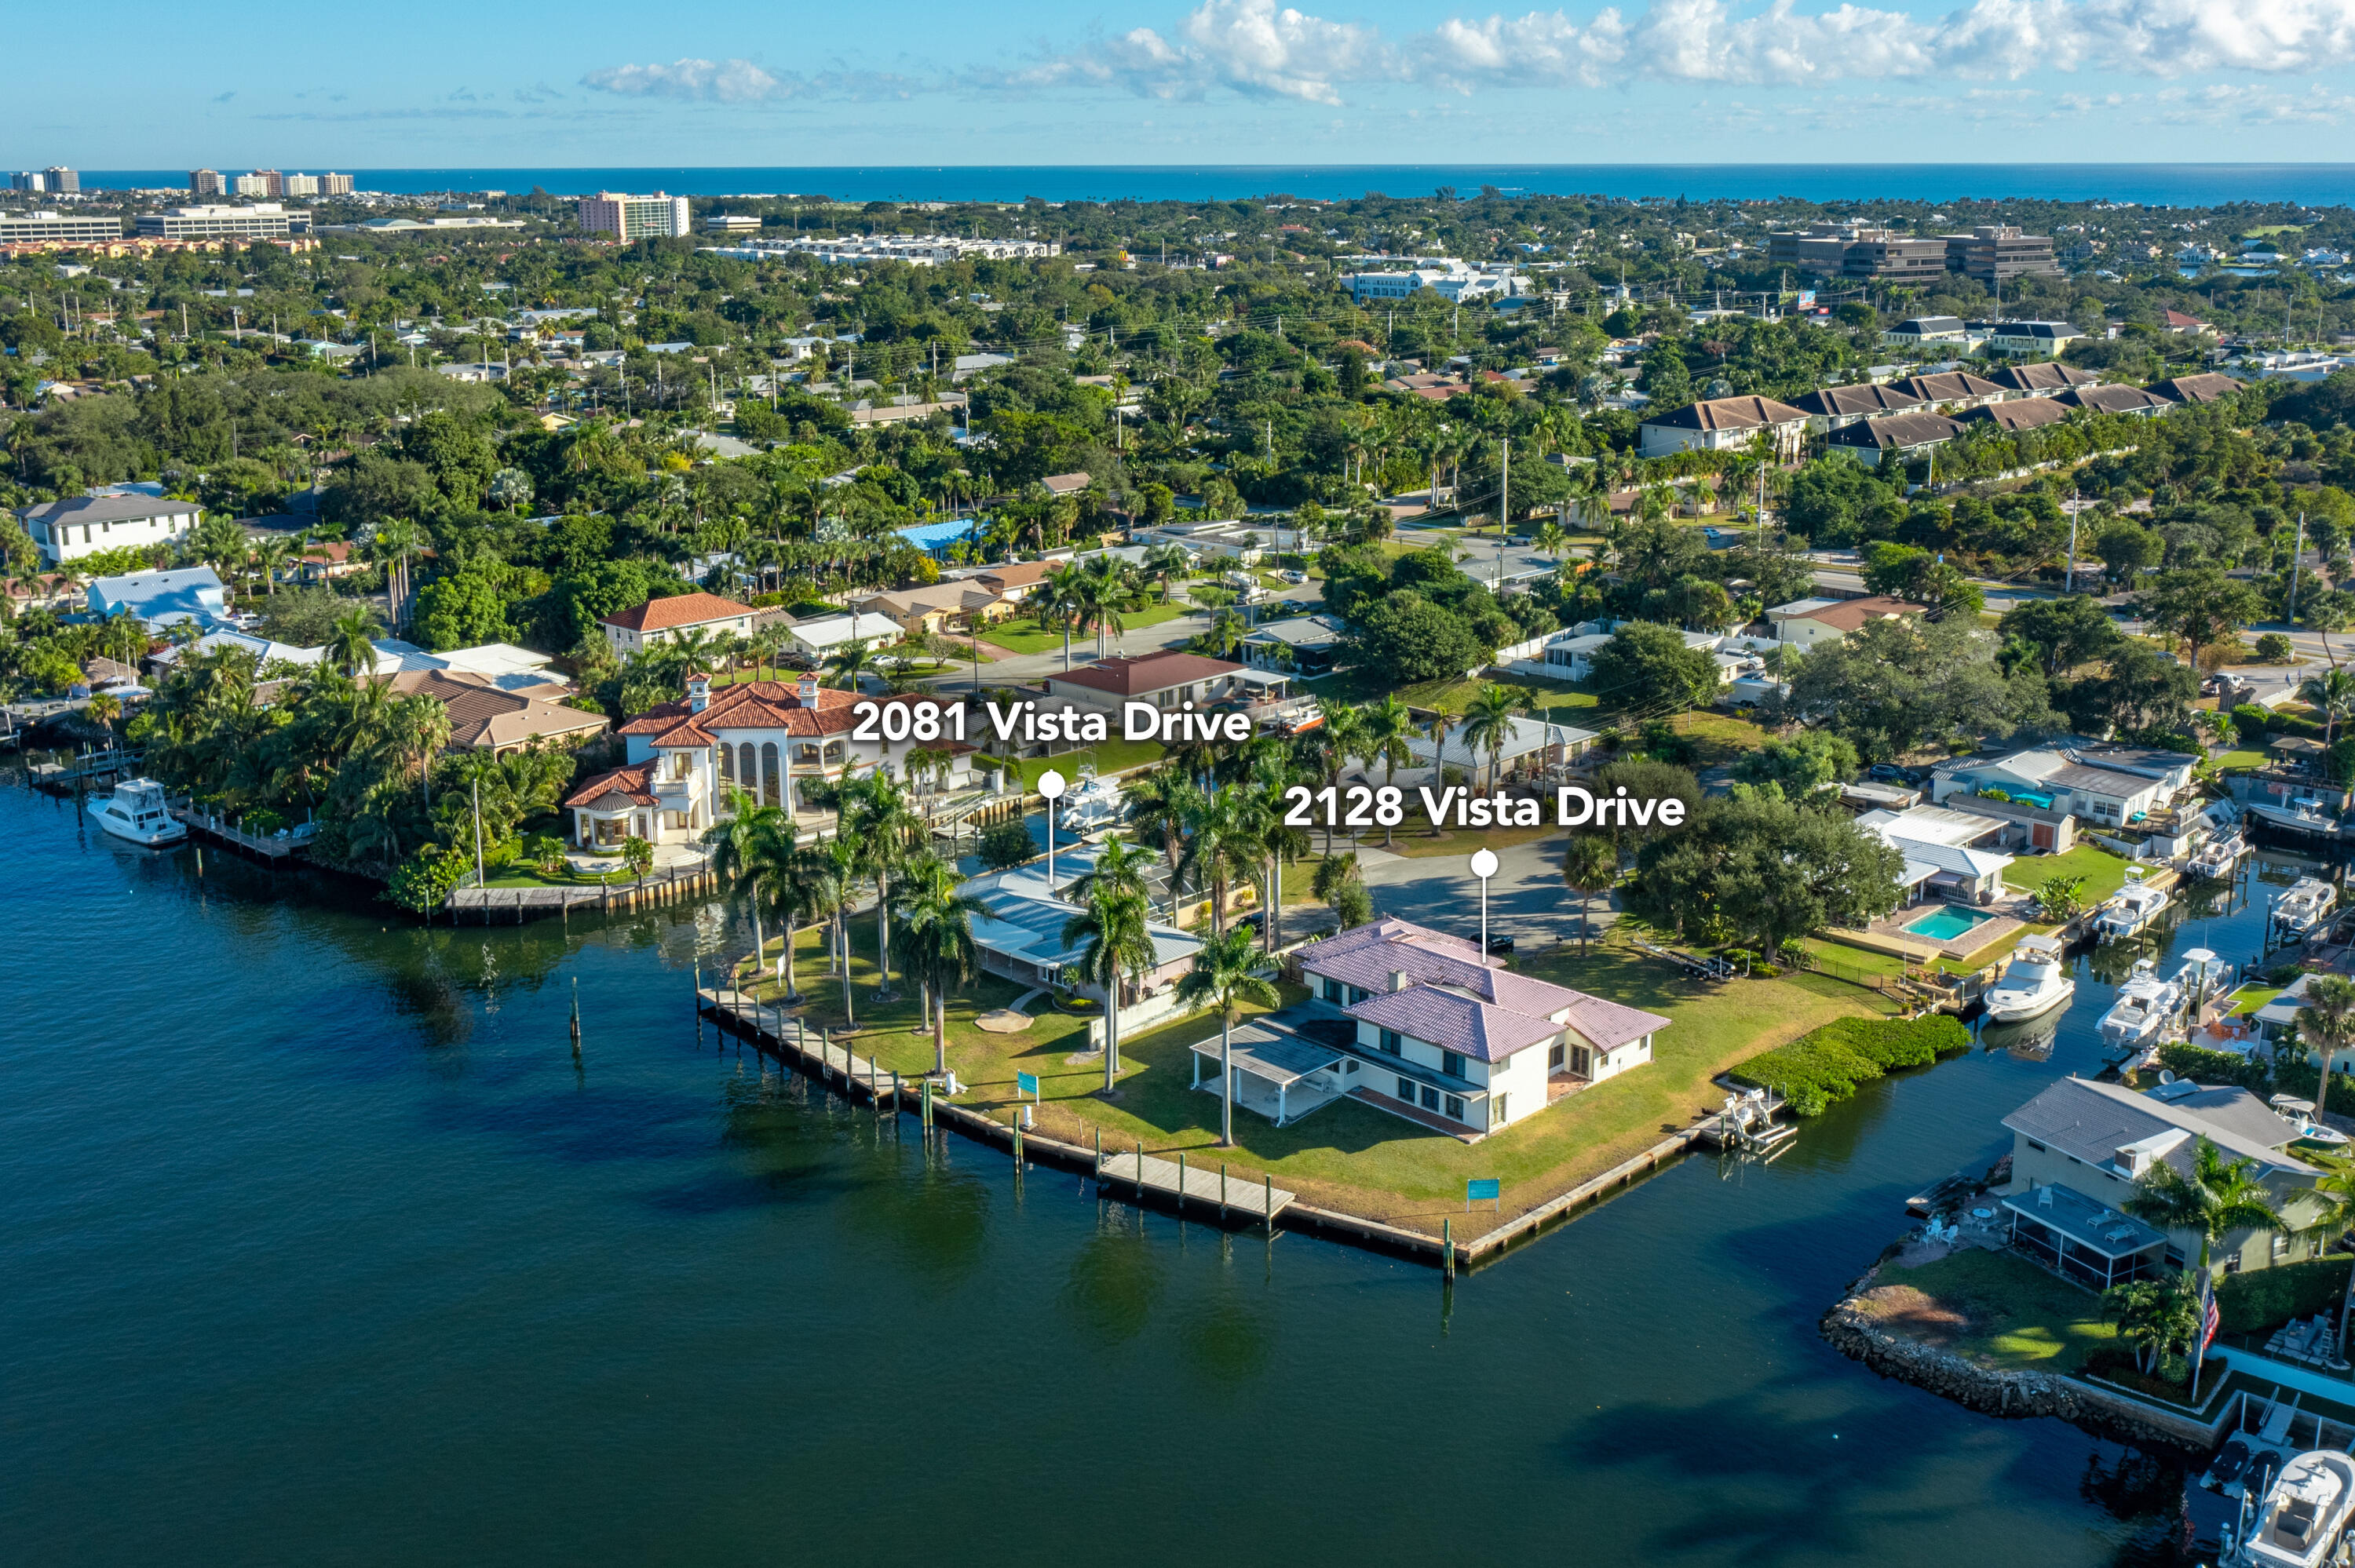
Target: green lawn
2104,873
520,876
1109,756
1024,636
1348,1153
1999,1310
2250,998
2241,759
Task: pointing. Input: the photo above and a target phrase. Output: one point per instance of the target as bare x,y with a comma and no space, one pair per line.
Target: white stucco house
84,525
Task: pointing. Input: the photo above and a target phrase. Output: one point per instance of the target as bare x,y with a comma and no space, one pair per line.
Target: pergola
1275,1060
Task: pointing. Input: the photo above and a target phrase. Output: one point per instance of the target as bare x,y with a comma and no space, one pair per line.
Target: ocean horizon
2152,185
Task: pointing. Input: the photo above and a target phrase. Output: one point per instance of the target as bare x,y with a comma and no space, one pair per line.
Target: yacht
2304,1513
2145,1005
2136,905
2033,982
2215,859
135,811
2304,905
1092,803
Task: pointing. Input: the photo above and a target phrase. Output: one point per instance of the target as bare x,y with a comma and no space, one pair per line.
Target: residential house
1231,538
1812,622
2205,388
2115,400
662,621
769,738
1164,679
329,558
822,637
162,598
2040,338
958,603
1021,937
1304,645
2044,379
1015,581
1948,854
265,650
483,717
2098,1141
1949,390
1832,407
1061,484
83,525
1920,332
2020,414
1443,1035
500,664
1719,424
1529,746
2178,322
1904,434
2066,780
46,590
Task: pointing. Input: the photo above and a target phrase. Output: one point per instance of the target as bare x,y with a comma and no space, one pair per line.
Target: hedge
2287,1076
1819,1070
2265,1298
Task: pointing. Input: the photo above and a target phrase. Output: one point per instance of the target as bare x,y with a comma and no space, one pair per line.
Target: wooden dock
1181,1184
269,848
517,905
775,1029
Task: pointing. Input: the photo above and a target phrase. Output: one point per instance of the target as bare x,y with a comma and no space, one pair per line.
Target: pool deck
1890,936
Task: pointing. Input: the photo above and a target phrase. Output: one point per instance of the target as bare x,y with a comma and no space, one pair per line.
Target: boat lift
1746,1125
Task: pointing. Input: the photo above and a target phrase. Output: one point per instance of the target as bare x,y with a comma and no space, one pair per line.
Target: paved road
1526,897
1023,669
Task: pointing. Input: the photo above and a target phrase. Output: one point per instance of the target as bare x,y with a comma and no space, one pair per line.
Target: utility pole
478,838
2069,583
1504,509
2296,554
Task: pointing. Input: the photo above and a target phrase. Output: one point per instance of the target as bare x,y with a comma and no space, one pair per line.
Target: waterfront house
163,599
1021,937
500,664
664,619
1432,1030
685,757
483,717
1948,854
2096,1140
1164,679
2109,786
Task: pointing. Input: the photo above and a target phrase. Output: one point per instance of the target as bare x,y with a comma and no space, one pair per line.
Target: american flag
2209,1319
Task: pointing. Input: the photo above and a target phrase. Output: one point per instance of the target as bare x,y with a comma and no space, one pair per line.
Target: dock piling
1181,1181
1448,1247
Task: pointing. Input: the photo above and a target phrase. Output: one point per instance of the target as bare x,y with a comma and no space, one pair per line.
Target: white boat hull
171,831
2020,1008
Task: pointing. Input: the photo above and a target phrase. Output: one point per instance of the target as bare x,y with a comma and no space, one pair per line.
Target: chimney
698,692
1397,979
807,691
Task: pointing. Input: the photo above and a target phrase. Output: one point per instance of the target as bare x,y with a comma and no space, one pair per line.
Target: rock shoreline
1851,1329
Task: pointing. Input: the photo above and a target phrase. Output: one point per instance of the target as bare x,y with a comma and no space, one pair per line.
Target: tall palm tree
1488,725
2327,1023
2333,692
1059,603
1118,946
1343,735
1273,772
879,821
1108,590
1389,726
849,661
1226,975
1157,805
350,646
939,933
1220,841
2217,1197
842,873
1589,865
753,852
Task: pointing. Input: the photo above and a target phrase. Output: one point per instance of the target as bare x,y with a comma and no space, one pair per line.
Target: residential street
1526,897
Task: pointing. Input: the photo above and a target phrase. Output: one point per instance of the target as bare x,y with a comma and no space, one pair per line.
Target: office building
63,180
628,218
731,223
58,228
299,186
1896,259
204,182
334,185
1993,251
27,180
263,220
1820,248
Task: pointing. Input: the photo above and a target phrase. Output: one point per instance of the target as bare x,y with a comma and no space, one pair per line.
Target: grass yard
1109,756
1347,1154
2104,873
1999,1310
1020,636
2240,760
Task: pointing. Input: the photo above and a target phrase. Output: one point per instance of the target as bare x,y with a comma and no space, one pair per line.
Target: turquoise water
1948,921
319,1247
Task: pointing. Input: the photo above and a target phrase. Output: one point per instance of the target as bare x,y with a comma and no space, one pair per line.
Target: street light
1483,866
1050,785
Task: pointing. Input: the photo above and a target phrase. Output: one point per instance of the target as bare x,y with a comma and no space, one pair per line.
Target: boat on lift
2033,982
1090,804
2146,1004
136,812
2302,1518
2303,906
2131,911
2216,860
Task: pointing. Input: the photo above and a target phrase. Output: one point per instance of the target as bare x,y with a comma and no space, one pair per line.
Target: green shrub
2274,648
2214,1066
1819,1070
2252,720
2265,1298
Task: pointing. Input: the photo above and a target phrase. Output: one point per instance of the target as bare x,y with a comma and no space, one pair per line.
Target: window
1334,990
1431,1099
1390,1041
2036,1146
2281,1247
1496,1113
1555,1057
1406,1090
1451,1064
1455,1108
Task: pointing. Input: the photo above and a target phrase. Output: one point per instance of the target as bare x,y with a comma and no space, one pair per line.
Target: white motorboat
2144,1007
2303,1515
2215,859
2033,982
136,812
2303,815
2136,905
2203,976
2304,905
2313,1134
1092,803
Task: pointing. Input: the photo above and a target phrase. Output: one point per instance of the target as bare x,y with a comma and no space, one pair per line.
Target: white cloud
715,81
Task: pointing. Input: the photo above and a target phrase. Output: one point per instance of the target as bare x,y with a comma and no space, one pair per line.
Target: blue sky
1189,82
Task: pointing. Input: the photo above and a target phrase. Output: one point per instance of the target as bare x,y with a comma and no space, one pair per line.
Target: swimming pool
1946,922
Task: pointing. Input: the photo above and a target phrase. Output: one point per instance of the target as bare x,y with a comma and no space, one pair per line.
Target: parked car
1499,942
1290,576
1886,773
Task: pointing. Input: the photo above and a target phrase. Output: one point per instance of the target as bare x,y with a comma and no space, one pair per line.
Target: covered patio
2084,1239
1278,1075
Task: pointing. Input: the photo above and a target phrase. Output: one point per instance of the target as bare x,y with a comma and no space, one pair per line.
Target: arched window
772,790
748,772
727,764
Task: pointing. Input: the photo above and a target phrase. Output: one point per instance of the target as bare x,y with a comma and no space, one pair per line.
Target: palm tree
2153,1315
1552,539
1106,590
880,822
1343,735
1228,628
851,661
271,555
753,853
1389,726
842,872
350,648
1488,725
1219,840
2326,1023
1157,805
1059,601
2333,692
1119,945
1226,975
2217,1197
1589,866
939,940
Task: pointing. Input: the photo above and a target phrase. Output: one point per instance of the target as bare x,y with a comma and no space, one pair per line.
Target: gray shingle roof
2093,1120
